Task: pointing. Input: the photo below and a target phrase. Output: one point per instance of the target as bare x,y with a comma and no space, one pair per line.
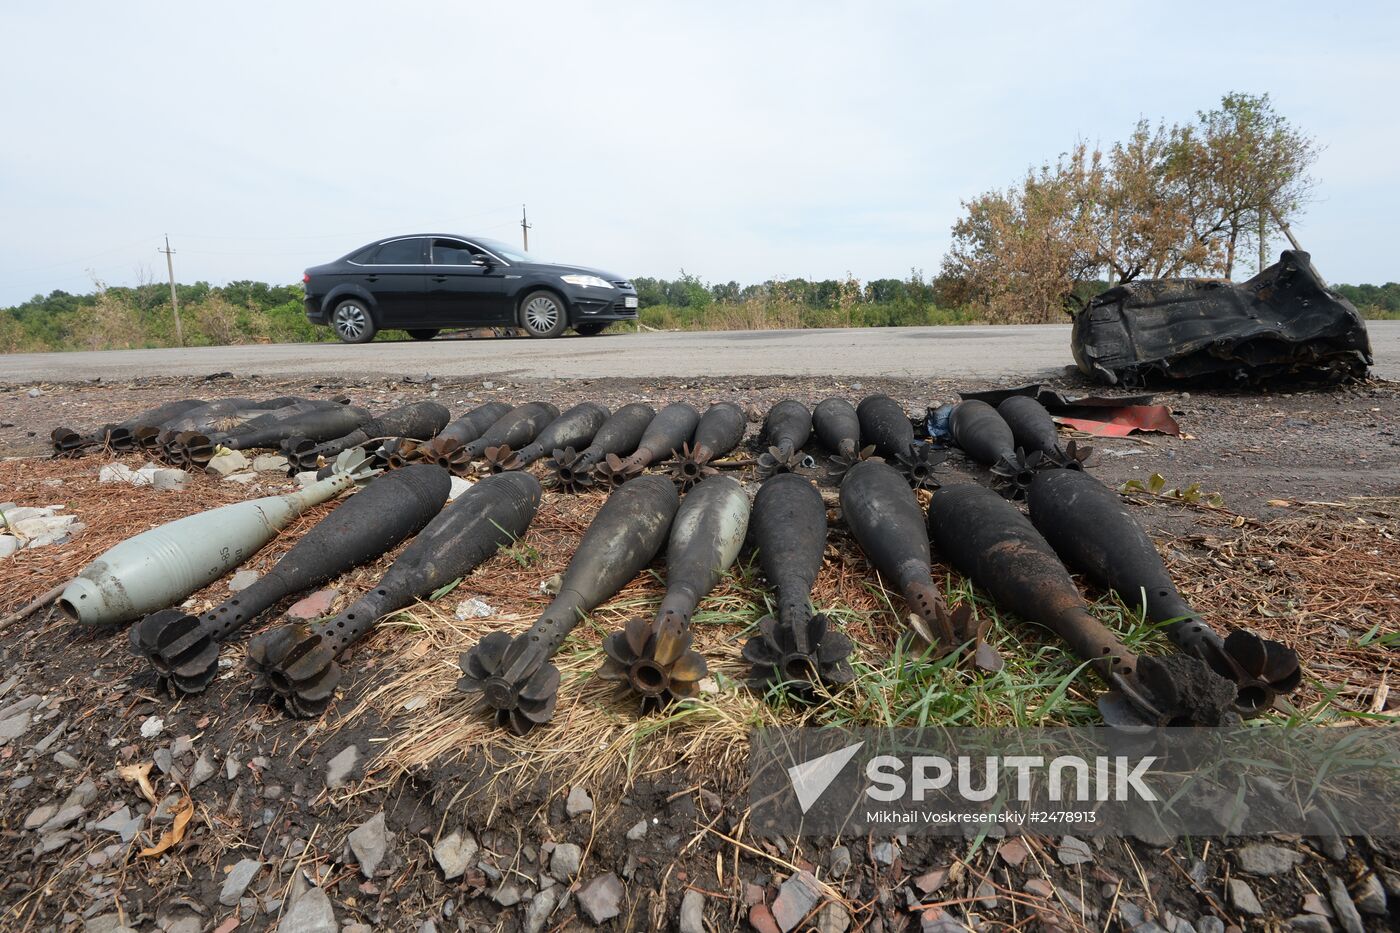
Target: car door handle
438,278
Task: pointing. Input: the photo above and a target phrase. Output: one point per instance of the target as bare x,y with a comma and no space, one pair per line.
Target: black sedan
425,283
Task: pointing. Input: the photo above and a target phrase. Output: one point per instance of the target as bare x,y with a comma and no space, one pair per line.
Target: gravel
369,842
1244,898
601,898
237,881
578,803
692,916
538,910
312,913
340,770
1264,859
564,863
796,898
454,854
1344,909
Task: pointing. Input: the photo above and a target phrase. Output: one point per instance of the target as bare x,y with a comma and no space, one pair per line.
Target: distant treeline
120,317
255,312
1374,301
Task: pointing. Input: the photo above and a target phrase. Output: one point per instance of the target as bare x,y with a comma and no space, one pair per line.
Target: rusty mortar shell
718,432
513,677
837,426
786,428
573,470
651,658
885,425
417,421
299,663
121,436
1093,532
669,431
1034,431
574,428
988,540
985,436
449,441
515,428
184,648
796,646
884,517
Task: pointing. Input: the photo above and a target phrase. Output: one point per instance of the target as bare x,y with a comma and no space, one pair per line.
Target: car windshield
508,253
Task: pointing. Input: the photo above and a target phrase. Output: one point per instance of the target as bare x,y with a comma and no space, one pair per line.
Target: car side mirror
481,259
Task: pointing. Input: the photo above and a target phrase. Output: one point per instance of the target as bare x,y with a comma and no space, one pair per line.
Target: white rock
454,854
474,608
267,463
169,479
312,913
237,881
579,802
152,727
242,580
226,462
120,473
341,768
369,842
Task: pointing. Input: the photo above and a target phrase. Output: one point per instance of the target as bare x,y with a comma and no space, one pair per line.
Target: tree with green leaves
1244,167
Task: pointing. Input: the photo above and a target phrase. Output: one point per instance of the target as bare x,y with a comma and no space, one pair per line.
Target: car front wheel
542,314
352,321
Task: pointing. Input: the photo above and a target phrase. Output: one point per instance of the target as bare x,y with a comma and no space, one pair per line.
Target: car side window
400,253
452,253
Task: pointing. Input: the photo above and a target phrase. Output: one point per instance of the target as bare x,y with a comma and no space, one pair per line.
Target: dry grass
427,640
1326,581
112,512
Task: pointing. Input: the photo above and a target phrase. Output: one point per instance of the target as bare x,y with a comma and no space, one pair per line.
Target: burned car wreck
1283,322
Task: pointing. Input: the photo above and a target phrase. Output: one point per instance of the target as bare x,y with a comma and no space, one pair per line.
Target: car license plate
630,301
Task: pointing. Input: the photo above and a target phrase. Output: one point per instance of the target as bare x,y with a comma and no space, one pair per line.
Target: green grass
1041,684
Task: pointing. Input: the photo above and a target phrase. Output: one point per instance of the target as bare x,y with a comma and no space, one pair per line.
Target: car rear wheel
352,321
542,314
423,334
592,328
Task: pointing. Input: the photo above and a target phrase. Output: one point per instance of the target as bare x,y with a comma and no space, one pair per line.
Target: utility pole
524,228
174,301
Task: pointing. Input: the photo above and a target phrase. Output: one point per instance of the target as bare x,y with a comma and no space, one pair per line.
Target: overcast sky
735,140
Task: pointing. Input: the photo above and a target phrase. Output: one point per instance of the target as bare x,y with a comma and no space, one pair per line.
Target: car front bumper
592,304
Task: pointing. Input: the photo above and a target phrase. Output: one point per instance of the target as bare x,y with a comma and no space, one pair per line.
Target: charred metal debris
1284,322
399,465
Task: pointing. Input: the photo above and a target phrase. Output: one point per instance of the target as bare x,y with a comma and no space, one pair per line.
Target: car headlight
587,281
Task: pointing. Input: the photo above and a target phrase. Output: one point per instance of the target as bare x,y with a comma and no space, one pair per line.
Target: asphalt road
1026,351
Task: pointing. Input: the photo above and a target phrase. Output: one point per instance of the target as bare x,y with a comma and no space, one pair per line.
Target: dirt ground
265,825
